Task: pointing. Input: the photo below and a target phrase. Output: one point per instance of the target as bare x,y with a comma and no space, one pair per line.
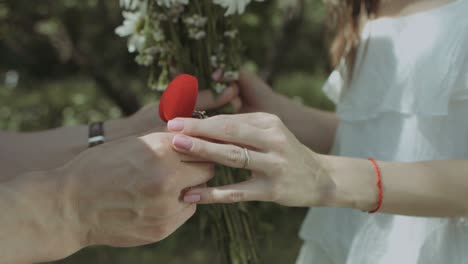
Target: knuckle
161,150
279,167
229,129
199,147
161,186
234,156
159,143
274,119
275,193
235,197
278,164
209,196
279,141
190,126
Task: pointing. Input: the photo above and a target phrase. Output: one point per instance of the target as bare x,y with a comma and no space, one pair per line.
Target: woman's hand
254,93
129,192
257,96
249,94
147,118
283,169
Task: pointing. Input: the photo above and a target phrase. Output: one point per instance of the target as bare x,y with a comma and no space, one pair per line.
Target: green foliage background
71,68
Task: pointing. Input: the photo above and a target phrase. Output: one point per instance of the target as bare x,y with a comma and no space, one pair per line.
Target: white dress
407,101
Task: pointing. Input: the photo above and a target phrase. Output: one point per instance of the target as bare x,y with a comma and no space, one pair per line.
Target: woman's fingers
258,119
223,129
229,155
221,76
236,104
208,100
251,190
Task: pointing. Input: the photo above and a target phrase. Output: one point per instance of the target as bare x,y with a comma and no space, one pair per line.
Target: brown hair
345,20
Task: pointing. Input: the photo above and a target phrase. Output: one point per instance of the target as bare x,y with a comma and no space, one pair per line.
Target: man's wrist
117,129
130,126
39,208
56,215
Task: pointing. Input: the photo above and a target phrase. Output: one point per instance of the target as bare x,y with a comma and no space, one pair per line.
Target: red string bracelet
379,186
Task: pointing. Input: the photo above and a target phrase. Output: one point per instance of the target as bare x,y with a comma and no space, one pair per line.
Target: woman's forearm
432,188
33,225
313,127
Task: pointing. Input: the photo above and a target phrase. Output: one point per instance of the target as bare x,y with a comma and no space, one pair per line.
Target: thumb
208,100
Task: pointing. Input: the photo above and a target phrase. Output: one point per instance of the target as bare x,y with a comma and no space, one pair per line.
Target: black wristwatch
96,134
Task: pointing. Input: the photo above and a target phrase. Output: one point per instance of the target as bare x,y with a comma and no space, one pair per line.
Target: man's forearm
313,127
45,150
33,222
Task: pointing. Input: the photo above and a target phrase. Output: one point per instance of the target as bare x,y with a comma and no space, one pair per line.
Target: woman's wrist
355,183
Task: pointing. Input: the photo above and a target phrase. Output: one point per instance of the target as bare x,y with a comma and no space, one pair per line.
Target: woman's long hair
345,20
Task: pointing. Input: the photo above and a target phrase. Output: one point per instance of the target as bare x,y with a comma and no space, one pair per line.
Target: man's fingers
228,155
198,173
208,100
251,190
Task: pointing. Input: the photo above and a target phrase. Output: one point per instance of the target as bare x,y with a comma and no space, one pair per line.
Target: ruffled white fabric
413,64
407,101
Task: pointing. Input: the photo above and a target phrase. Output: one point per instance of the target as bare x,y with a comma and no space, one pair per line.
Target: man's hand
128,193
124,193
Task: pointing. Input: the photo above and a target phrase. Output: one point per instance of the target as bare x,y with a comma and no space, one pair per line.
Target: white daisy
170,3
136,43
234,6
131,27
130,4
130,24
231,33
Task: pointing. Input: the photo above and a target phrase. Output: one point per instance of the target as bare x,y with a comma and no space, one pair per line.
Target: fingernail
175,125
192,198
182,142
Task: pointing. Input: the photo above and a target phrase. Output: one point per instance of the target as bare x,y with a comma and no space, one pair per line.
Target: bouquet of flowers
198,38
